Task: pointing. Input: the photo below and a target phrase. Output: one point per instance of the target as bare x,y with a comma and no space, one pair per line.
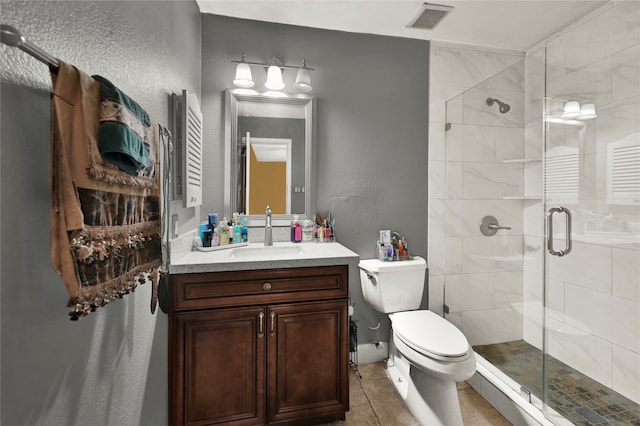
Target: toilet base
432,401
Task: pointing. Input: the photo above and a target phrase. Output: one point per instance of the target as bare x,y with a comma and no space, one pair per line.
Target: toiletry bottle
296,230
204,227
237,237
230,231
208,236
212,218
215,239
298,233
307,231
224,232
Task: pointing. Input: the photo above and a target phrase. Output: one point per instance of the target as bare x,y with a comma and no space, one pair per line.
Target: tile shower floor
581,400
374,402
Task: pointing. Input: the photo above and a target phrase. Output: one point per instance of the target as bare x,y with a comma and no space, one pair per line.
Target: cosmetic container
307,231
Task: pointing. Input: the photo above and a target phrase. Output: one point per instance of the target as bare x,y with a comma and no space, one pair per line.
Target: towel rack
12,37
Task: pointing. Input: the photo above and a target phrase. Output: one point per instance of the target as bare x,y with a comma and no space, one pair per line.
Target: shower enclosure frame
564,70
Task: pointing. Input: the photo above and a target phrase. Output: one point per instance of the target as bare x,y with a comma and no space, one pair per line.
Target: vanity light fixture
303,78
274,76
274,69
243,74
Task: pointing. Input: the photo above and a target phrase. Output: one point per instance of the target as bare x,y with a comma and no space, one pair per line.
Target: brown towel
105,223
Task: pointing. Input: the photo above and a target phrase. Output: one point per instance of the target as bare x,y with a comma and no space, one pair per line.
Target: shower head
503,106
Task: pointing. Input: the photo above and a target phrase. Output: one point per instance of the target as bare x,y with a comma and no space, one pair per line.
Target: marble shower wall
494,286
593,294
470,176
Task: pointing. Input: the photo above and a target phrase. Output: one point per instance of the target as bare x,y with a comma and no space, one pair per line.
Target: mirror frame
232,98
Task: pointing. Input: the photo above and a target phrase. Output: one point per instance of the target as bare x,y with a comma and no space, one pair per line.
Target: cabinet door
218,364
307,360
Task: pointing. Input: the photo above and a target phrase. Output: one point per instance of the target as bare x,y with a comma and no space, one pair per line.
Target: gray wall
372,122
111,367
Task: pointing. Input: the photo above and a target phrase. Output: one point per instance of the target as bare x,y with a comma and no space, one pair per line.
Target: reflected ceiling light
275,68
243,74
587,112
274,76
303,78
572,112
571,109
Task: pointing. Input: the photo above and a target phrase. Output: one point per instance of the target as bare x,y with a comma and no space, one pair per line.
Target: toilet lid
427,332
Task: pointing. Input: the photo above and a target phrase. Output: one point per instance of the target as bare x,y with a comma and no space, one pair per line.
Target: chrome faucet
268,237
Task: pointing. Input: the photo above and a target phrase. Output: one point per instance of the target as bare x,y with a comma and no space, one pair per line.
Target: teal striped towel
124,131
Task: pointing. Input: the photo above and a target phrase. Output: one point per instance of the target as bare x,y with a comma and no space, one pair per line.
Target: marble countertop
257,256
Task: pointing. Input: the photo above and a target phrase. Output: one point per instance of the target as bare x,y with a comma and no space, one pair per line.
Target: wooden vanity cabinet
259,347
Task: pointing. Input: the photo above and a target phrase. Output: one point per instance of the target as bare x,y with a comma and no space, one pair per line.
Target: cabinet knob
266,286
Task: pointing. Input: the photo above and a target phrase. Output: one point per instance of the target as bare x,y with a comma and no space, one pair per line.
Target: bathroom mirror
269,155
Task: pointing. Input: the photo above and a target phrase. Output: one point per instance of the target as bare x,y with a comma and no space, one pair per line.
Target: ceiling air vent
429,16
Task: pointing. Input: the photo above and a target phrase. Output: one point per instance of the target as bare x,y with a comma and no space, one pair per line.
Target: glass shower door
486,242
591,180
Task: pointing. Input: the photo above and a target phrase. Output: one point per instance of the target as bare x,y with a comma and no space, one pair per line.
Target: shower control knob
489,226
266,286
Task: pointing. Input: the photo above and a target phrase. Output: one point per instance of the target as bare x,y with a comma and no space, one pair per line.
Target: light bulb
274,78
571,109
303,80
243,75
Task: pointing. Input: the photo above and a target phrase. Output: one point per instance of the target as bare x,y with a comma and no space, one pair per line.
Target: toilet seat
430,335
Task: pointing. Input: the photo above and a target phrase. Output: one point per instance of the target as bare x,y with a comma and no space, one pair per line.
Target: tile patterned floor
578,398
374,402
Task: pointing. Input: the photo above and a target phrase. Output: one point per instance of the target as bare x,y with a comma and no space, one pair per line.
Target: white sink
267,252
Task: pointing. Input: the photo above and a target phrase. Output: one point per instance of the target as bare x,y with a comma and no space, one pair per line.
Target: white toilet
427,354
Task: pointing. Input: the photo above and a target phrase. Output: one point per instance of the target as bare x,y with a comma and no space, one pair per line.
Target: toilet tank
393,286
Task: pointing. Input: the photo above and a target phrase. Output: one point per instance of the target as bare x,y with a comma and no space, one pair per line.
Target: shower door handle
550,213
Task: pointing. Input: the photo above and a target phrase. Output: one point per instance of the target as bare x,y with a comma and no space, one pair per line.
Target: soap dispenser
296,230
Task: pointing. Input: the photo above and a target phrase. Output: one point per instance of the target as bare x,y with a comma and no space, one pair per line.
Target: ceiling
508,24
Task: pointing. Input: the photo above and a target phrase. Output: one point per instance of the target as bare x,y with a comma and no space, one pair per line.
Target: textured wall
371,127
111,367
